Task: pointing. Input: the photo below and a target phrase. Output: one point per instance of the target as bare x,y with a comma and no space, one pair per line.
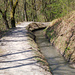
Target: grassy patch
68,48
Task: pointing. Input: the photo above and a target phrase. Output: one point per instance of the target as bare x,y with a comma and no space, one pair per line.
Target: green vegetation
8,7
13,11
68,48
61,34
61,29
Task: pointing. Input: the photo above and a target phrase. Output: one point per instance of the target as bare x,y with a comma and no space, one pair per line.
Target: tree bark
5,18
13,7
25,11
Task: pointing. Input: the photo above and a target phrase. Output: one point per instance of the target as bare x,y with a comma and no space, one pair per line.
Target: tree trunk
35,17
13,22
13,7
25,12
6,23
5,18
4,14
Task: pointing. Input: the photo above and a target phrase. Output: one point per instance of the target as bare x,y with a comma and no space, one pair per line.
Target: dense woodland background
14,11
61,14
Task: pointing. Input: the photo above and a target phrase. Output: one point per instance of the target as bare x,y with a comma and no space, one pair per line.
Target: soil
62,35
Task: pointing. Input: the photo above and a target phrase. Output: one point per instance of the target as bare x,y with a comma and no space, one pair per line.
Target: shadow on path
15,53
18,66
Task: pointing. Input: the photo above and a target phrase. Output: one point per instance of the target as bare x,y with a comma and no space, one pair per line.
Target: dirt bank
61,33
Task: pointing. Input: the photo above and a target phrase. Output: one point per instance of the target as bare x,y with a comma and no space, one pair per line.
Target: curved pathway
16,55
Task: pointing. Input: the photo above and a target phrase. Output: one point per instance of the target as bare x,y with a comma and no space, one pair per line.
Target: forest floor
16,54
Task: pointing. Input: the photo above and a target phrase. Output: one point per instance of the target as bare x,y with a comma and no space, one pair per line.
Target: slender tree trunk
34,10
13,7
35,16
25,11
13,22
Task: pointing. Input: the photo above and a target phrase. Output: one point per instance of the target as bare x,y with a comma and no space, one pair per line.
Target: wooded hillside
14,11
